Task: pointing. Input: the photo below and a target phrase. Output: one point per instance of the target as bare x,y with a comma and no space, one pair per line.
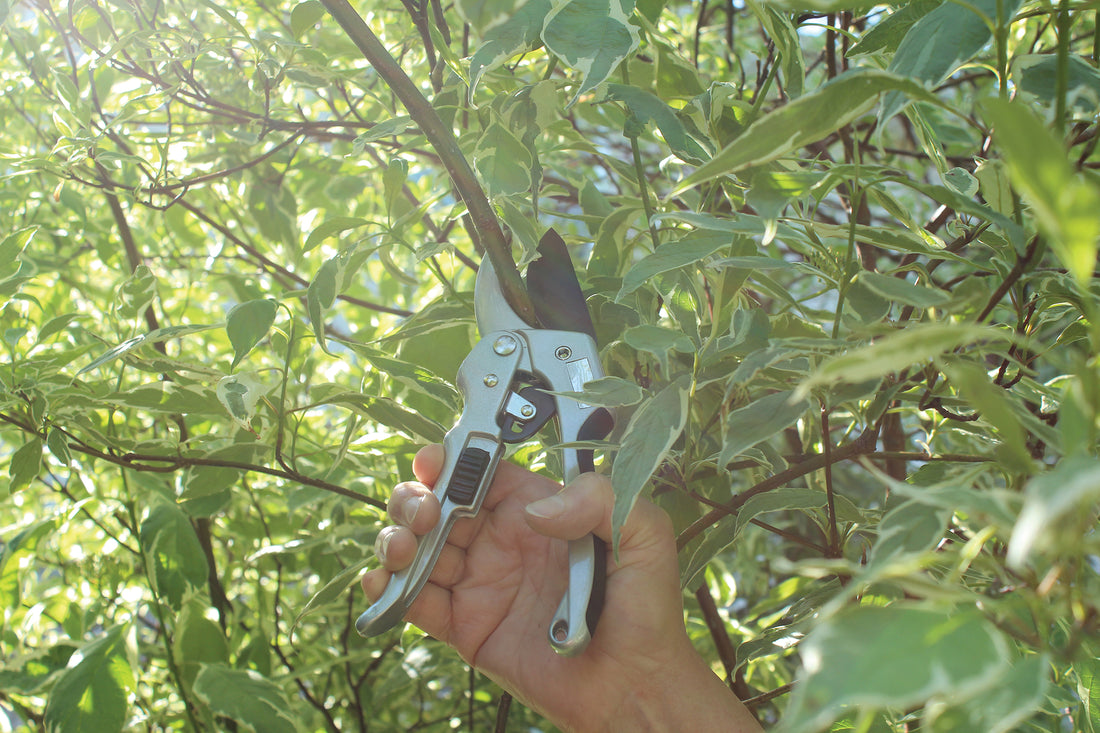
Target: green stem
643,188
443,141
639,173
1061,78
1001,42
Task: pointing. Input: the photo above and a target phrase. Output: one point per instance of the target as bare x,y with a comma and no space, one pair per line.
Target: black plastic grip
466,477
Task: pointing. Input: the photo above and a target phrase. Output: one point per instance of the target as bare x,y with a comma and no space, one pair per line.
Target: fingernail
549,508
409,509
382,542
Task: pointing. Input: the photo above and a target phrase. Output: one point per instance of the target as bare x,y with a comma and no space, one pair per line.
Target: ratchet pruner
511,385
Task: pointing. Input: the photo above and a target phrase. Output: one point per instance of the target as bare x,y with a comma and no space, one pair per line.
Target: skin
501,576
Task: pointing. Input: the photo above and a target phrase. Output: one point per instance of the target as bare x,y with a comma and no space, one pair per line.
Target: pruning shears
511,385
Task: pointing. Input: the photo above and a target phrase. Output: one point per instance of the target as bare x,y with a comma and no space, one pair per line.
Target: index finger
510,480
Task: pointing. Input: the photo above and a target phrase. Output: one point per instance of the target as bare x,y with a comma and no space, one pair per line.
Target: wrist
684,696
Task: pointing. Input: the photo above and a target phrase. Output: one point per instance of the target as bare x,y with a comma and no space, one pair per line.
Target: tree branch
863,444
446,146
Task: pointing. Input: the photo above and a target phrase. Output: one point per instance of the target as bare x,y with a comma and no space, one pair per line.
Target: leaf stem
1061,78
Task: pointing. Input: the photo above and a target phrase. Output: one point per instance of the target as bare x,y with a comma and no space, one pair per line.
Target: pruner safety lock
509,384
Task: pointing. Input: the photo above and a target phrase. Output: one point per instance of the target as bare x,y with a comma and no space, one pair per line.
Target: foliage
845,252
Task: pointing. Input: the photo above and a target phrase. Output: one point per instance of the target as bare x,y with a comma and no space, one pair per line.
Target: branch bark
446,146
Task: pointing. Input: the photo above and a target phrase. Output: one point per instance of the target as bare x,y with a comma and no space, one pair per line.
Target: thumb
585,506
582,507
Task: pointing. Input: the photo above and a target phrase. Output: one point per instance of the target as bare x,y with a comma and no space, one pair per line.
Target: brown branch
1014,274
718,633
862,445
827,454
446,146
171,464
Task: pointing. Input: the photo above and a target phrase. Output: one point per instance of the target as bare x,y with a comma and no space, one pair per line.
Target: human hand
498,582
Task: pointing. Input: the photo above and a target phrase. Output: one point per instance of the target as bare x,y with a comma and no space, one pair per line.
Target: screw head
490,380
527,411
563,353
504,345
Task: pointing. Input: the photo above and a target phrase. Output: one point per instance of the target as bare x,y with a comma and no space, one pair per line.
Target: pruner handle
575,621
472,450
467,473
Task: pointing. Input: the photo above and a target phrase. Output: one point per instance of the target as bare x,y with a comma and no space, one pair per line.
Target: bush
844,254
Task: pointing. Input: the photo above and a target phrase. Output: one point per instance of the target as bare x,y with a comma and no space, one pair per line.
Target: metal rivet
527,411
563,352
504,345
490,380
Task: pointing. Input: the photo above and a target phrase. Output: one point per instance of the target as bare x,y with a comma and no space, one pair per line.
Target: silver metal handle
472,450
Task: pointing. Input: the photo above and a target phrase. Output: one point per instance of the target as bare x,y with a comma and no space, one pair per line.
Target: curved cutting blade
555,292
552,285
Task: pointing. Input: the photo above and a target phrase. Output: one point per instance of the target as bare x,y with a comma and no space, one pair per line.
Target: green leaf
658,341
1067,491
503,161
973,384
15,542
901,291
321,294
896,351
942,41
160,334
247,324
335,225
486,14
911,528
90,695
136,292
852,660
11,250
728,530
391,414
393,183
647,440
1015,698
27,675
169,397
592,37
335,589
240,393
520,32
197,641
25,464
672,256
1087,671
202,481
961,181
888,33
1064,202
643,108
607,392
805,120
1038,77
55,325
305,16
172,550
676,77
252,701
759,421
413,376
